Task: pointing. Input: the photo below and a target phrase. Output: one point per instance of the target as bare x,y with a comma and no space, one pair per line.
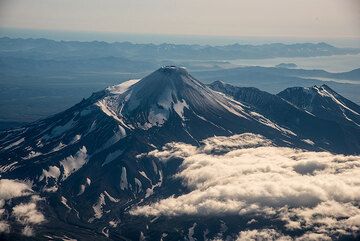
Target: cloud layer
25,214
246,174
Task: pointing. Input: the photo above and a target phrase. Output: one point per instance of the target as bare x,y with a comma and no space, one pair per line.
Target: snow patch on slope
72,164
179,108
111,198
98,207
59,130
123,181
150,191
123,87
16,143
84,186
8,167
64,202
32,154
112,156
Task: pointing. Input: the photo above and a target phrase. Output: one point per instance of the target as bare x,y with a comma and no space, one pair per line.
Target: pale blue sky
288,18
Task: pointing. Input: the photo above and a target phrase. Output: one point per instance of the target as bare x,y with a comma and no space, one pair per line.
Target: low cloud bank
24,213
262,234
246,174
12,188
272,234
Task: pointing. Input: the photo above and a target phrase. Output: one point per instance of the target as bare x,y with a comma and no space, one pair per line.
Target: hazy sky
305,18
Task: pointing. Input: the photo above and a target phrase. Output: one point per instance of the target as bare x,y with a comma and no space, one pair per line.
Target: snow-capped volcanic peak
152,100
163,88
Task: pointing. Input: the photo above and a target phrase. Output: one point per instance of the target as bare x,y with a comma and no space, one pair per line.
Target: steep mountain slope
308,125
275,80
86,167
325,103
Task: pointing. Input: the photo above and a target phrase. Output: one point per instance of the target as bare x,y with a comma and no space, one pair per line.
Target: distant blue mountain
47,49
286,65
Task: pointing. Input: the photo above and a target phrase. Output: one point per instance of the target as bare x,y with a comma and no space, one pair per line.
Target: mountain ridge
324,102
166,50
282,110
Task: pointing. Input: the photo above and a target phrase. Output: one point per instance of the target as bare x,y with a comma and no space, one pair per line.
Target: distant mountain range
79,173
48,49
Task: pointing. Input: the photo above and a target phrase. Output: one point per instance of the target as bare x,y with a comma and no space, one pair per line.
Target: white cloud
245,174
13,188
4,227
264,234
313,237
27,231
274,235
27,213
52,172
223,144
